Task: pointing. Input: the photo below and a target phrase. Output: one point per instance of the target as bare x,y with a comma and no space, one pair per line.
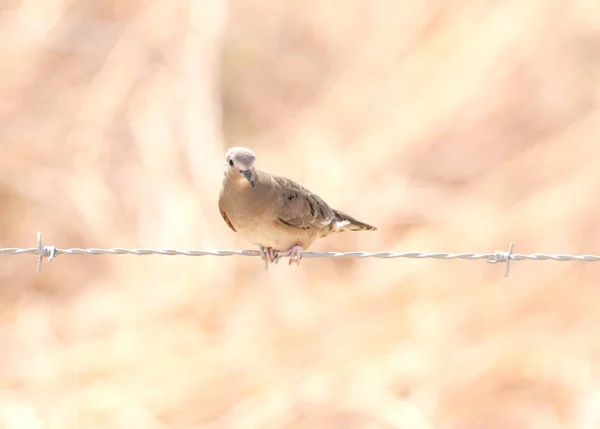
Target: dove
276,214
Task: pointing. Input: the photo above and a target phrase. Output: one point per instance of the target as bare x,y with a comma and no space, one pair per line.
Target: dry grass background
452,125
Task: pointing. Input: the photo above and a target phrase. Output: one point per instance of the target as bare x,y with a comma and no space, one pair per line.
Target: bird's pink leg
294,252
268,255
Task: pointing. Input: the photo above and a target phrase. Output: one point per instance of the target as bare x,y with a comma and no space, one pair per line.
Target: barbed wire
498,256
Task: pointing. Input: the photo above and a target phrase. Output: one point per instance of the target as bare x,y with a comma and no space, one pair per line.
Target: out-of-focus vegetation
453,126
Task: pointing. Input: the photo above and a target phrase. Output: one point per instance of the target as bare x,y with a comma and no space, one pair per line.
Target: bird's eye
230,162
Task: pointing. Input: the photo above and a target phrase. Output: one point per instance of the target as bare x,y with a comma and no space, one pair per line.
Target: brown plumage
276,214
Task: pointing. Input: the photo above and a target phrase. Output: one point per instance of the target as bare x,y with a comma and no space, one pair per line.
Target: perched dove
276,214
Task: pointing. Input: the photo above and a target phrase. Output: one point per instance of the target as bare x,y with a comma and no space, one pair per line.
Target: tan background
454,126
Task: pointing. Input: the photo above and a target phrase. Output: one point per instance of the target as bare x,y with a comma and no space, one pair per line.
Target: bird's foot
268,254
294,252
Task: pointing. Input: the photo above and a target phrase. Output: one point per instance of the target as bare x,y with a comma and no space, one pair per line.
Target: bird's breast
253,214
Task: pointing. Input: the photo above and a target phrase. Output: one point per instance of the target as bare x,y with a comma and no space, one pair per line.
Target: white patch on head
243,158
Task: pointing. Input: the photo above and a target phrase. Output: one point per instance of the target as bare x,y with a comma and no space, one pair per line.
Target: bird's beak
248,175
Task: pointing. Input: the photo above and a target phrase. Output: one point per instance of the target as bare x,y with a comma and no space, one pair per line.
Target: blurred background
454,126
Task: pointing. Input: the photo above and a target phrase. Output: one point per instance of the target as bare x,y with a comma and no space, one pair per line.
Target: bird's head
239,162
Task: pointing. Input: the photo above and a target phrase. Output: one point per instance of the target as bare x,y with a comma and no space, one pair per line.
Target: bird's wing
297,207
222,209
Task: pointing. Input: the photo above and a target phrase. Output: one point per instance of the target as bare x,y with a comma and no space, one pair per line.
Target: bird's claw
295,254
268,254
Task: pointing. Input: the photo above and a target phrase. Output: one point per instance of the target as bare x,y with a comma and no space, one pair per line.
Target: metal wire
50,252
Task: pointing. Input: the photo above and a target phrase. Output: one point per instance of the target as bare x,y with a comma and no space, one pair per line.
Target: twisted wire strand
50,252
312,255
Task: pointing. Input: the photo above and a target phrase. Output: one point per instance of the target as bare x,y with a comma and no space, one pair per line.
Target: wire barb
502,256
44,252
498,256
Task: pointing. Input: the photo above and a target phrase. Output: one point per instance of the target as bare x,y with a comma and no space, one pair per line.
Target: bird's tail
344,222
